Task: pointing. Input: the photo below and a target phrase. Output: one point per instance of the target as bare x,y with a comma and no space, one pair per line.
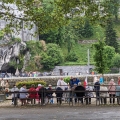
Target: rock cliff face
8,51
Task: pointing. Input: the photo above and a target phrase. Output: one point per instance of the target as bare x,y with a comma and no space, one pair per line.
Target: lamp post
88,54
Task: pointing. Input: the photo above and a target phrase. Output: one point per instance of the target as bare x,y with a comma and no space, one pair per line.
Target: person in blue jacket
73,81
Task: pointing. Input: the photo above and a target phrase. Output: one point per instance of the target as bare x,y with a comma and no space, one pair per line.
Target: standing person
63,85
88,94
2,84
42,94
97,89
118,94
32,93
104,94
7,88
111,90
101,79
73,81
95,79
23,94
80,92
37,96
14,95
59,93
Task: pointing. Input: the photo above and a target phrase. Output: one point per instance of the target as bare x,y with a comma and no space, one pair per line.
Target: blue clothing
118,89
101,80
72,82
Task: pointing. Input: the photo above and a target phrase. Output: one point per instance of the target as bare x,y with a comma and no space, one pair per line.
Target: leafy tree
100,57
87,30
44,13
72,56
110,35
116,61
109,52
54,36
112,7
53,56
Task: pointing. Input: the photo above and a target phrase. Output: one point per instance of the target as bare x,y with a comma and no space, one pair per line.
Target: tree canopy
48,14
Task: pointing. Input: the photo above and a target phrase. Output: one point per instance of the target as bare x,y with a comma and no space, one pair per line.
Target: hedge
29,83
67,79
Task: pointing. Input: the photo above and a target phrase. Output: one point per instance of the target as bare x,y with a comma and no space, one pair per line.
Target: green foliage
112,7
116,60
1,34
72,56
67,79
53,56
109,52
30,82
100,58
14,39
31,66
87,30
44,13
34,47
110,35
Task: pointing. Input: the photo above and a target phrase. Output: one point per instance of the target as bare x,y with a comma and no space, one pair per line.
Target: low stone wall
53,79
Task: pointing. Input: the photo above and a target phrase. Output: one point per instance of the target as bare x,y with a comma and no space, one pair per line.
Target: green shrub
67,79
29,83
72,56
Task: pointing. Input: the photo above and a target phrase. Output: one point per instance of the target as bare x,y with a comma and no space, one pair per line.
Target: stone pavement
60,113
57,112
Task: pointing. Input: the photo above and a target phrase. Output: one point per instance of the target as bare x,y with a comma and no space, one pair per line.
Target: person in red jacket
32,93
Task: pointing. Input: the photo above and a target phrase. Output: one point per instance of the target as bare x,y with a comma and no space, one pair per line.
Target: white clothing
2,83
14,89
62,84
95,79
103,94
23,95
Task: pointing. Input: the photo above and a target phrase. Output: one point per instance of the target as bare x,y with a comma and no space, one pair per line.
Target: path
60,113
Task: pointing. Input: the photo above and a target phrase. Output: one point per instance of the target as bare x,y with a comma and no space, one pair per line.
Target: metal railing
67,97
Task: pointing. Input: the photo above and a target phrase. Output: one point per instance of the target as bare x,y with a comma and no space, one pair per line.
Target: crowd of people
74,91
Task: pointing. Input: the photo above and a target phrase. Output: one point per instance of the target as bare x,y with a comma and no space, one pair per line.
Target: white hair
112,80
79,83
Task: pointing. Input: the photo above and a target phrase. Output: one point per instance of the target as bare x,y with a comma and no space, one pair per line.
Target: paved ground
60,113
56,112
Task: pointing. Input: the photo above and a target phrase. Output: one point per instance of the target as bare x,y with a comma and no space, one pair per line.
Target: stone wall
53,79
72,70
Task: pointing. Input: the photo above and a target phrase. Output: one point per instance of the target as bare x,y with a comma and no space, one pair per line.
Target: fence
68,97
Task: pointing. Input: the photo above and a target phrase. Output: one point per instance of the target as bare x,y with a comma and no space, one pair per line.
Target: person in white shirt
63,85
14,95
2,84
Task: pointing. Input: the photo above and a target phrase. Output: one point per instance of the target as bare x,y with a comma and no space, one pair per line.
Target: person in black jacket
59,94
97,89
42,94
49,93
80,92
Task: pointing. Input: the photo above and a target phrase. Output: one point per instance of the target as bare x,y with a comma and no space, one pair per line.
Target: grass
81,49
